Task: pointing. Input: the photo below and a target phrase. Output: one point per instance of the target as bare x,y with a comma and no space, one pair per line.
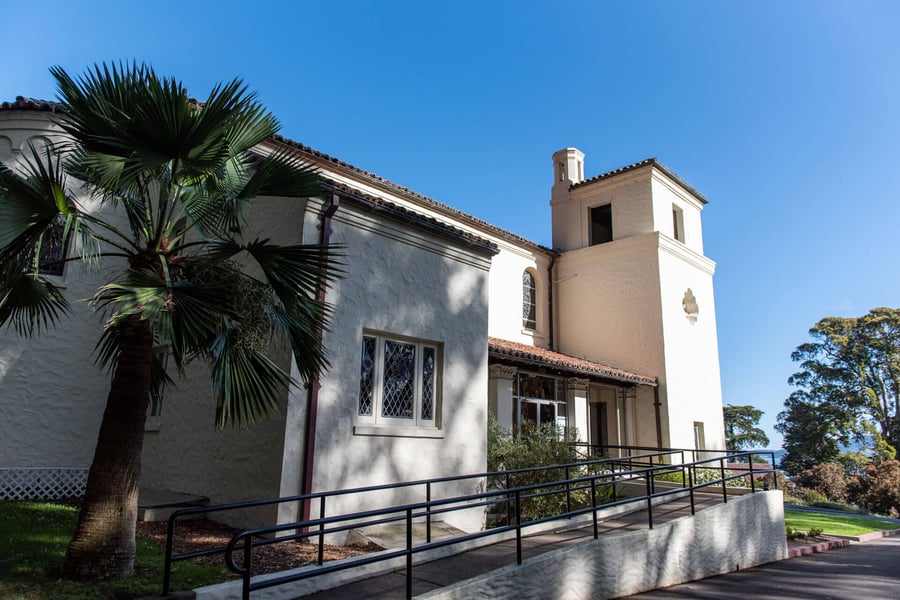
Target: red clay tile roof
434,204
646,162
406,215
498,348
23,103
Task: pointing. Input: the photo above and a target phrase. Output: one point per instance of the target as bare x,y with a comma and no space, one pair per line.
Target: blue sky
786,115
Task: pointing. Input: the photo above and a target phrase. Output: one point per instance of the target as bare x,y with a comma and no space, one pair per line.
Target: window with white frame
399,381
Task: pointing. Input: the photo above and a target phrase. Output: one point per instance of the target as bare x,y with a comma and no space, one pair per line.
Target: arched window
529,306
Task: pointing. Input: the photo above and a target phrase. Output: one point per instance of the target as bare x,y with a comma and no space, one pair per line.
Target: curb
842,542
868,537
814,548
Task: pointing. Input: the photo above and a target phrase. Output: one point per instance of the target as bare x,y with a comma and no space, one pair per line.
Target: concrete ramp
393,535
562,559
743,533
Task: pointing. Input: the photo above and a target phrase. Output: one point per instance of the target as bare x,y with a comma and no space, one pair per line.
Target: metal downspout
550,299
659,443
309,454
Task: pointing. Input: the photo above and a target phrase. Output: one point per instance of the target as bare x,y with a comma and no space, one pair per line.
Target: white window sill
533,333
394,431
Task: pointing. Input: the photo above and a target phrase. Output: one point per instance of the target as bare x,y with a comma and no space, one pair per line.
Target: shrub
829,479
813,496
878,488
775,480
538,448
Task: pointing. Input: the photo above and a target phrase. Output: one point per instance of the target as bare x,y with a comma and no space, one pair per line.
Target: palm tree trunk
103,545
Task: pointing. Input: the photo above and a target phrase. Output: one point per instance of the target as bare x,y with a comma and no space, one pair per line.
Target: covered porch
530,386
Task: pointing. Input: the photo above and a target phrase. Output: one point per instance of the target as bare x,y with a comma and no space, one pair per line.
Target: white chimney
568,168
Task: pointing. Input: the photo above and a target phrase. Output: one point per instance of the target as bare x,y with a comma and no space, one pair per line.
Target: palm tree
180,175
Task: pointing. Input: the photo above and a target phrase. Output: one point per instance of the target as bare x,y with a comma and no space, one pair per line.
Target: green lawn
835,524
33,538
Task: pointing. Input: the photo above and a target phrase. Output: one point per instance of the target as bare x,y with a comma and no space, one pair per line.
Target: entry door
599,424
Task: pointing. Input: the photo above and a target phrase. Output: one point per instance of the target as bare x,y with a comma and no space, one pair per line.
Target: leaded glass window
399,380
367,376
528,301
427,383
52,253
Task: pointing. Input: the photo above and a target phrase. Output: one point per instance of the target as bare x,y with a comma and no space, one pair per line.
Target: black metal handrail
319,527
429,484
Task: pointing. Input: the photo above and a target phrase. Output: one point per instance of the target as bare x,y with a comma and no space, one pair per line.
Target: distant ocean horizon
779,454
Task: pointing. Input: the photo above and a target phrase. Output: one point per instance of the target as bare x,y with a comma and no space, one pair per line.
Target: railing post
649,504
167,567
428,512
321,556
652,477
508,503
568,493
409,553
245,584
683,474
518,528
724,483
774,473
594,505
691,482
752,483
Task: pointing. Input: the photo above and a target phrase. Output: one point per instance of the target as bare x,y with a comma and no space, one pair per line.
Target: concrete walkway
869,571
466,565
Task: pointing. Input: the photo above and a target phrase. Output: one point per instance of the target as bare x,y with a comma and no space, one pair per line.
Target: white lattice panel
41,484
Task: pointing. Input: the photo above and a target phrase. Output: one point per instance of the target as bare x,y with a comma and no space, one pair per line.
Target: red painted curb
820,547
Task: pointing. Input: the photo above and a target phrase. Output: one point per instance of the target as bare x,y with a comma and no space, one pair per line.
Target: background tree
813,433
742,429
180,175
849,388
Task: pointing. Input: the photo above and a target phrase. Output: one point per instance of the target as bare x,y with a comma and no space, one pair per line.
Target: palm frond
30,202
284,175
295,274
28,302
301,326
159,377
293,269
213,213
246,384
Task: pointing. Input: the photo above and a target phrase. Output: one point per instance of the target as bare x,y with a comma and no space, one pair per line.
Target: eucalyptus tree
176,178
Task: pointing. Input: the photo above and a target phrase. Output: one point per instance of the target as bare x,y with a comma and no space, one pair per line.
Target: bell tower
634,290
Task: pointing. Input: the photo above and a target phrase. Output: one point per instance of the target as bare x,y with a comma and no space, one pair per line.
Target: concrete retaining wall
745,532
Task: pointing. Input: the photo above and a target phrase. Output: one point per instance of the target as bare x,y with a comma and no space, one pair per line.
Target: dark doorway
598,424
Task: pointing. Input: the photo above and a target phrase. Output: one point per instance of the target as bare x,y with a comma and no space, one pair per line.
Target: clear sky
786,115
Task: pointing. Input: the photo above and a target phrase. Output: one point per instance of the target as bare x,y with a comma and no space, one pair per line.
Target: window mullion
379,378
417,378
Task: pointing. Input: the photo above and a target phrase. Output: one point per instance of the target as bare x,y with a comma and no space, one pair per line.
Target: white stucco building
441,320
